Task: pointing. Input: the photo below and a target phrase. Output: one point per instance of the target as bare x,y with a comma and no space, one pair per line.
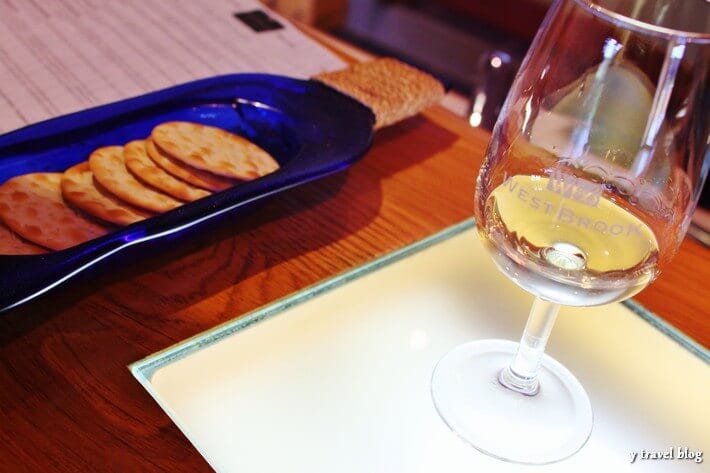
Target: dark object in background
258,21
495,74
520,18
458,49
705,197
700,225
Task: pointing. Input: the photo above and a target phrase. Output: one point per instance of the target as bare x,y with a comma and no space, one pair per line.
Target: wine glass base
547,427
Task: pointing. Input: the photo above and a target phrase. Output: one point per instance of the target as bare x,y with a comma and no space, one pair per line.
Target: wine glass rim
681,36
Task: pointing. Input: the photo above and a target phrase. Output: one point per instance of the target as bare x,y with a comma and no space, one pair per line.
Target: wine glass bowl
593,170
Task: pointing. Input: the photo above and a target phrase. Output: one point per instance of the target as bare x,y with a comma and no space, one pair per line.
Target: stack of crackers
180,162
119,185
390,88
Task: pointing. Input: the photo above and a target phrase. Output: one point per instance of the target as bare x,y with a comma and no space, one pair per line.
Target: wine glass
593,170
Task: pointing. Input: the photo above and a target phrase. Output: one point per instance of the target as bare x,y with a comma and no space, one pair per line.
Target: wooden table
67,400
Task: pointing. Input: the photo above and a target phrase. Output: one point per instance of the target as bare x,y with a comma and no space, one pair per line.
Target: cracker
11,244
392,89
110,170
80,189
196,177
32,206
213,149
138,162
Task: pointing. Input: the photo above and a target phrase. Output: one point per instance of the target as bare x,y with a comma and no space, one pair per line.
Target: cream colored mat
340,383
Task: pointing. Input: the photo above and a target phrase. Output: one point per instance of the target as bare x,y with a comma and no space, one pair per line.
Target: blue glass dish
310,129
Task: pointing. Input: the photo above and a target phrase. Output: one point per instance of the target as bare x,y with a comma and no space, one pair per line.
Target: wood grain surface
67,400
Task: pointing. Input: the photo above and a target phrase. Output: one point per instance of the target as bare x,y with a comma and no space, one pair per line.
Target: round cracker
213,149
138,162
110,170
11,244
32,206
81,190
196,177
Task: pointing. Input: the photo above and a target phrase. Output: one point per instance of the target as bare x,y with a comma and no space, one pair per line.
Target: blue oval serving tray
310,129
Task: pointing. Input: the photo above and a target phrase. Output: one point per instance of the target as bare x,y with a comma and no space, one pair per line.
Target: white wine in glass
594,168
569,251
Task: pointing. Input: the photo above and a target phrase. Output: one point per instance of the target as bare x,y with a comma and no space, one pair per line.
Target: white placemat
340,382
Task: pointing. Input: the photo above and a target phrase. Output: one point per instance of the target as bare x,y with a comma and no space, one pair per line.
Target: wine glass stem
521,374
